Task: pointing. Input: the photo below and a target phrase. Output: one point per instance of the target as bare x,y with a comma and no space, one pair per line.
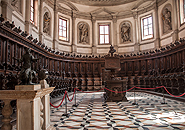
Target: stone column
6,10
174,19
27,16
73,45
55,28
94,48
136,46
115,33
28,110
157,40
41,21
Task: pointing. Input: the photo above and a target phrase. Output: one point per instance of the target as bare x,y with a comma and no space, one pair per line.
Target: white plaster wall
64,48
48,42
131,20
35,33
146,46
84,50
182,31
166,41
103,51
18,22
125,49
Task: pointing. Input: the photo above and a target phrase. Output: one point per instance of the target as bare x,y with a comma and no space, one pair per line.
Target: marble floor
93,114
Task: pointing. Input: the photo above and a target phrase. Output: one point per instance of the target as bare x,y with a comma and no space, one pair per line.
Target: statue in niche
125,32
27,74
83,33
46,25
166,17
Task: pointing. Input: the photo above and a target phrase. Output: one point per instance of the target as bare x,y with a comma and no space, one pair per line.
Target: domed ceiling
102,2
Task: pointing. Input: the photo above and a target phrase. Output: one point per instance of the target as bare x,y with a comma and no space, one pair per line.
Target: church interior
92,64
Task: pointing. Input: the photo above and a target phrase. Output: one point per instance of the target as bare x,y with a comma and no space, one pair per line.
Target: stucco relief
46,24
83,33
125,32
166,19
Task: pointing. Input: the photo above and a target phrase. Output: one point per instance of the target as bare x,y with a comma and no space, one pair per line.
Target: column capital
93,19
135,15
114,19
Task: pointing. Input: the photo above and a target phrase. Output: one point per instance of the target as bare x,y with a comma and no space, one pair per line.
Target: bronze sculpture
27,74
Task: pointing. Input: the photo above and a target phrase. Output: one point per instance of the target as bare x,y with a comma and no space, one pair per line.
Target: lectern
112,63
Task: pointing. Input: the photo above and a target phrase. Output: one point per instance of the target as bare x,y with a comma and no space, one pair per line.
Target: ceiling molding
101,2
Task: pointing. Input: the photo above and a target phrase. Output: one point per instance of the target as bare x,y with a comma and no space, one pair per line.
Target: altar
115,84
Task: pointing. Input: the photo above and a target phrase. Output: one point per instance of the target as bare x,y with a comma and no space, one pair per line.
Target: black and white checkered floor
149,114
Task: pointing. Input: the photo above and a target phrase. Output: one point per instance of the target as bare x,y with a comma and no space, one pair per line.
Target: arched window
182,11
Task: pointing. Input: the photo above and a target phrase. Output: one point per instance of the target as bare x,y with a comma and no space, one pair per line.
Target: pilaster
73,47
157,40
55,43
94,48
115,33
6,10
136,46
27,16
175,21
41,21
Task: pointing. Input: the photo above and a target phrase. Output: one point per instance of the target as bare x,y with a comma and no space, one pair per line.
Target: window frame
32,12
182,12
142,27
109,29
35,12
67,28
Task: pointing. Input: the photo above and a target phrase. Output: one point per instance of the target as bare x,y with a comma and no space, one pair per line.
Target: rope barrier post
75,105
65,114
134,103
163,98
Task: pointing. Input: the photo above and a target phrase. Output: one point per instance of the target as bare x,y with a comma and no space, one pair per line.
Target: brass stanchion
75,105
66,114
163,98
134,103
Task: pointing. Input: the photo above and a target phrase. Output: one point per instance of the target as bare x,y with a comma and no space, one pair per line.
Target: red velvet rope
89,92
172,94
150,88
61,101
72,97
120,91
112,91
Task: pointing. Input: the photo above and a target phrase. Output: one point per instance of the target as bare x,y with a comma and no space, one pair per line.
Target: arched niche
126,33
47,22
83,33
166,17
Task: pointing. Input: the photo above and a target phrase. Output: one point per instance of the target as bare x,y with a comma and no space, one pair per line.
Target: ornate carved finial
112,50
